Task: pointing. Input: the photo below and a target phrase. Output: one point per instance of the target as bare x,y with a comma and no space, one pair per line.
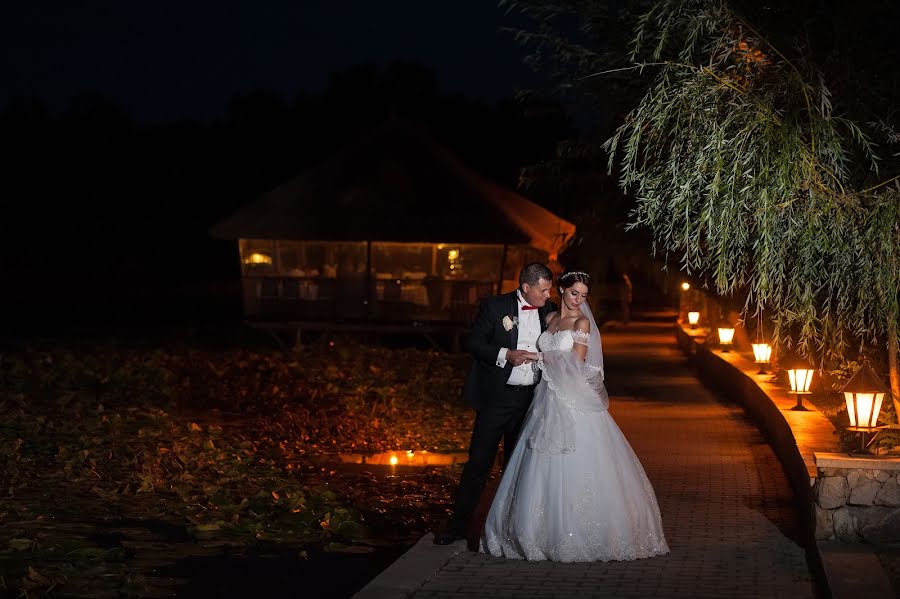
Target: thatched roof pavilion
392,228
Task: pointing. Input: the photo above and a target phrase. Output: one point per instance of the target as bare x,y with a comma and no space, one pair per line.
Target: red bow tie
527,307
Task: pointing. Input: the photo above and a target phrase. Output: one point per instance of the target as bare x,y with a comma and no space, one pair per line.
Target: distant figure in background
625,298
618,292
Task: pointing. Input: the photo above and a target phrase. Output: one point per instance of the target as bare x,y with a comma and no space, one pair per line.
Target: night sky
170,59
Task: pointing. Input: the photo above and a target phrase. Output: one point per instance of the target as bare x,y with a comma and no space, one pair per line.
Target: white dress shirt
529,331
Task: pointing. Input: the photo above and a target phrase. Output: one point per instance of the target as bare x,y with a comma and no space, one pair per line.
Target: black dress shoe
447,536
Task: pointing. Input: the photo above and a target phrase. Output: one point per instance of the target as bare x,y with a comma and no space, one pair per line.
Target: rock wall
858,504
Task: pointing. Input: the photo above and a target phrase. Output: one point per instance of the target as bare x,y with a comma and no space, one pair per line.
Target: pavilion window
290,257
468,262
410,261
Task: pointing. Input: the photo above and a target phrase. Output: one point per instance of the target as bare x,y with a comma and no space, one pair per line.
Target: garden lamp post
726,337
762,355
800,378
864,394
693,319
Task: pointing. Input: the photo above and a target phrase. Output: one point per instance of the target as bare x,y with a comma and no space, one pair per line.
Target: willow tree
745,173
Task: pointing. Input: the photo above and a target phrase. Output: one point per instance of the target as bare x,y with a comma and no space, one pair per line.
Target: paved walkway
726,504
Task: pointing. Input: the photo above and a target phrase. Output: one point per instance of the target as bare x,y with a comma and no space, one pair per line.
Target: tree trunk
894,368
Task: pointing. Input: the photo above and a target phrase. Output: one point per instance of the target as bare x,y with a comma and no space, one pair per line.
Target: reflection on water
405,458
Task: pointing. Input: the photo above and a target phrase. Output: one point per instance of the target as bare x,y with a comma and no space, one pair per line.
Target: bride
573,490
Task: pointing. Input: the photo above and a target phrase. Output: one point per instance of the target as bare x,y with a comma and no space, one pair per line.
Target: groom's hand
518,357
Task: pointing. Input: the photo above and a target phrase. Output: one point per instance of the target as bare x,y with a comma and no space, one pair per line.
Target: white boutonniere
509,323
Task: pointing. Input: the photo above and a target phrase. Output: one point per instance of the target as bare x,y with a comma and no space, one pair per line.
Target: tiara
573,273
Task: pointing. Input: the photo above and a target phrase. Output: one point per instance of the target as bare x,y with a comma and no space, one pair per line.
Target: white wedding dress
573,490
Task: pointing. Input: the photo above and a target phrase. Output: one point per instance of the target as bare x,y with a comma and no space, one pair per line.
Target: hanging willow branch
740,168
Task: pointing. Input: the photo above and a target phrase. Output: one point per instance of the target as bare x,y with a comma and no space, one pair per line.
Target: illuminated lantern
864,394
800,378
693,319
762,355
685,286
726,337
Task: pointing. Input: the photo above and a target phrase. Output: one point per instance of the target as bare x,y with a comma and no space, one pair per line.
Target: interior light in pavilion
454,260
258,258
685,286
762,355
693,318
726,337
864,394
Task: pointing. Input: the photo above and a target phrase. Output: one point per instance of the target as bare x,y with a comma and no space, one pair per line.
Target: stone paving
726,505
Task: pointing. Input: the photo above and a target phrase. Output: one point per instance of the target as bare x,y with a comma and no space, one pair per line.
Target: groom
500,384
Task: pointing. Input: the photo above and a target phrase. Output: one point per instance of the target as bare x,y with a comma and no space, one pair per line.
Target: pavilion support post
370,283
298,339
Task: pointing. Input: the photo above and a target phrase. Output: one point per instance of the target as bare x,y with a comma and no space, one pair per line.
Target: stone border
857,499
843,460
411,570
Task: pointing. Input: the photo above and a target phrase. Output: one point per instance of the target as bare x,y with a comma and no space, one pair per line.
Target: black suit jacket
485,378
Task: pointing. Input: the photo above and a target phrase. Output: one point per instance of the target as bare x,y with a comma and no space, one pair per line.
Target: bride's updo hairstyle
570,277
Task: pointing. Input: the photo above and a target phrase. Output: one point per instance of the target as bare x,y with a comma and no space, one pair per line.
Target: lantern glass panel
726,336
800,379
864,408
762,353
693,317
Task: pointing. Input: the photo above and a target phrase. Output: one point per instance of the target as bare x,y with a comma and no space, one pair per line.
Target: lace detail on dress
560,341
556,341
580,337
593,539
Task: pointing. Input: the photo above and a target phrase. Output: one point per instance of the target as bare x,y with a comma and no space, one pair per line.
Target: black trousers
502,419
